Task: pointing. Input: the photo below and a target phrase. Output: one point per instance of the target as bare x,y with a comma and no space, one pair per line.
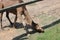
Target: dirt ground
43,13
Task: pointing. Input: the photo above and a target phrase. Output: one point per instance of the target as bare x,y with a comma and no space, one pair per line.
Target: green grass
52,33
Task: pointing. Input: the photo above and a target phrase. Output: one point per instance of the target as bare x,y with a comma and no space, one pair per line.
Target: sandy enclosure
43,13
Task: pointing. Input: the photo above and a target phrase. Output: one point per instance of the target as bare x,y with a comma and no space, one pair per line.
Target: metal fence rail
17,5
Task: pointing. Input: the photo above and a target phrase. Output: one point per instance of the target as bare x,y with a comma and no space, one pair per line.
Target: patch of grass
52,33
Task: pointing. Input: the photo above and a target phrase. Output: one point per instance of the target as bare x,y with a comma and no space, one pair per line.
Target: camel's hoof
40,31
12,23
28,35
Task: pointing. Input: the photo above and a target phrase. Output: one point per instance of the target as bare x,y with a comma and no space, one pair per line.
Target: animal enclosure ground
43,13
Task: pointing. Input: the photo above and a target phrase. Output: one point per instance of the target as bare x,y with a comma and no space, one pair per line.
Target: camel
18,12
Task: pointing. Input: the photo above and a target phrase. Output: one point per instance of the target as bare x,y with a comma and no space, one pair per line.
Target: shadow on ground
17,25
23,36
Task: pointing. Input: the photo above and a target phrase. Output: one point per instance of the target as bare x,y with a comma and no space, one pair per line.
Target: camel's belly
9,3
0,5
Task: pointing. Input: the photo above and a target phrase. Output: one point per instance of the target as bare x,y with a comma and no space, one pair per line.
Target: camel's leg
1,15
25,19
27,16
15,19
7,15
25,25
0,21
20,15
